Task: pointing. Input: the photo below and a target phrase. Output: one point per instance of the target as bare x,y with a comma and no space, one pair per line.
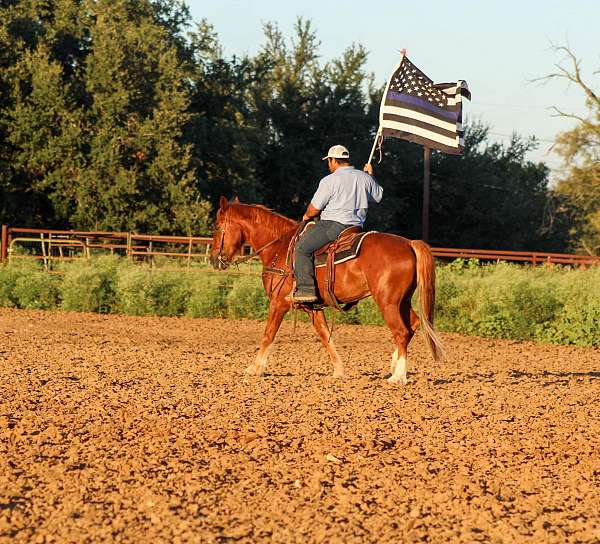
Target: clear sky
498,47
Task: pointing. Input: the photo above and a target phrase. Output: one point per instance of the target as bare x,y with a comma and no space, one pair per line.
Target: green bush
36,290
140,291
369,313
247,298
554,304
577,321
132,291
351,317
8,280
559,305
208,295
90,286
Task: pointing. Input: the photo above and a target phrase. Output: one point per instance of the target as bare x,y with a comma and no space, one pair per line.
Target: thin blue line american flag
416,109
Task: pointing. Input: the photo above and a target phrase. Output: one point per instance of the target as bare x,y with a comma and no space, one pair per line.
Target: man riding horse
342,200
387,267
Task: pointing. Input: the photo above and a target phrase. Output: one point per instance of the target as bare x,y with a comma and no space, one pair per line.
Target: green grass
546,304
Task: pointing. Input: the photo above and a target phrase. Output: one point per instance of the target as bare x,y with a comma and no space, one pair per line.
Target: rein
245,258
254,253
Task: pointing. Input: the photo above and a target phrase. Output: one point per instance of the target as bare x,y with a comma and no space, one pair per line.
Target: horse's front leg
320,324
277,309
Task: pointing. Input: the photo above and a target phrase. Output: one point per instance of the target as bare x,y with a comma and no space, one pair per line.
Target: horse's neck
257,235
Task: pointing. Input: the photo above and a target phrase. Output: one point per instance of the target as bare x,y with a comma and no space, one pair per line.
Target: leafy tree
225,140
94,104
39,53
46,128
580,150
492,196
303,107
138,175
488,197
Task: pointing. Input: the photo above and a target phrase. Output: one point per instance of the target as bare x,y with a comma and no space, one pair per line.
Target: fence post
43,244
4,244
129,256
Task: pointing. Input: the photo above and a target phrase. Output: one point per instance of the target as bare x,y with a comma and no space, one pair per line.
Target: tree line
123,115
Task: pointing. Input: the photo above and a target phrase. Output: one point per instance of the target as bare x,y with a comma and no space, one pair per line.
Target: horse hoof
253,371
398,380
339,375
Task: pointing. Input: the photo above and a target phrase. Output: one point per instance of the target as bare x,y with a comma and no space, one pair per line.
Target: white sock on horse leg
399,363
262,356
393,363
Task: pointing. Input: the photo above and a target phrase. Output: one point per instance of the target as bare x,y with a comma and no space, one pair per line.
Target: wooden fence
532,257
49,245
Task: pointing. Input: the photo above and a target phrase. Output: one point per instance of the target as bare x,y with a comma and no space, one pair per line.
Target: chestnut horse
389,268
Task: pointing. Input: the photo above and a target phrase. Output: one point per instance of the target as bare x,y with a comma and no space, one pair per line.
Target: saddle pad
345,255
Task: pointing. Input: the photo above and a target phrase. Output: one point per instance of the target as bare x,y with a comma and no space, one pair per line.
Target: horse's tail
426,289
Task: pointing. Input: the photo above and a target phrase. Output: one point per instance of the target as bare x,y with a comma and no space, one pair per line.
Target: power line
511,135
475,103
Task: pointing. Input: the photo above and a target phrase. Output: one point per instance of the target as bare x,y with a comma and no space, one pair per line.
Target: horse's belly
350,283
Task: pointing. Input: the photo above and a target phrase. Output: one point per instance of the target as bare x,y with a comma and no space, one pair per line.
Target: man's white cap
337,152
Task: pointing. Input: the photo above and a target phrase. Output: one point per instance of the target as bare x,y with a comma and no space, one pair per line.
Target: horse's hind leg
398,319
408,315
320,324
277,309
414,320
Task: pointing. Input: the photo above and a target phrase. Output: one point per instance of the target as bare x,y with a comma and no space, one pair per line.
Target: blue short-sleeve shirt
344,196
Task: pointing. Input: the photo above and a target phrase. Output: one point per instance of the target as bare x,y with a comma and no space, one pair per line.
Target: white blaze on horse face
399,366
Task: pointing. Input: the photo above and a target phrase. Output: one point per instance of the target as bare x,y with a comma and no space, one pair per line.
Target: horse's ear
235,200
223,203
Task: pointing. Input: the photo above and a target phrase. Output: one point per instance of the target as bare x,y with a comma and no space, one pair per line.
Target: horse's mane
268,219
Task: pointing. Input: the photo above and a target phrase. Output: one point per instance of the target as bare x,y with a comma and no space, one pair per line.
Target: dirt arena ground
143,430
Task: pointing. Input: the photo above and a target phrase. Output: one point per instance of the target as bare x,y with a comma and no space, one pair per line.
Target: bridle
226,263
220,259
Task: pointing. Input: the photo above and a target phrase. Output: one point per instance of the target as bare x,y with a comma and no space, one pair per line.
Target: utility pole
426,185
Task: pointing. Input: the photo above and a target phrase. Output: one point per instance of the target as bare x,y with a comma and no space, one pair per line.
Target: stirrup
302,298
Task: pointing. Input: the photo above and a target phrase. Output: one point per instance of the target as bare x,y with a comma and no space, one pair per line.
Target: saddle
344,248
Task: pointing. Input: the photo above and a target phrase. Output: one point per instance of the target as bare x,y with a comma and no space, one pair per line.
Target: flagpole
426,185
385,91
377,136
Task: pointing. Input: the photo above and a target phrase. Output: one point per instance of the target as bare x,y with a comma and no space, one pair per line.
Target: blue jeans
319,235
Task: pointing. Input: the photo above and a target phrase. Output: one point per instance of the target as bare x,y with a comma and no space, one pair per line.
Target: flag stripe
393,98
393,120
433,144
390,111
431,134
453,89
431,111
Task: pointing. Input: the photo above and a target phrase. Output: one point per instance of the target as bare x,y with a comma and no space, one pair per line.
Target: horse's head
227,237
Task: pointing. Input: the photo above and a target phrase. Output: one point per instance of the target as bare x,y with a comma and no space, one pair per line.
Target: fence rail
49,245
533,257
